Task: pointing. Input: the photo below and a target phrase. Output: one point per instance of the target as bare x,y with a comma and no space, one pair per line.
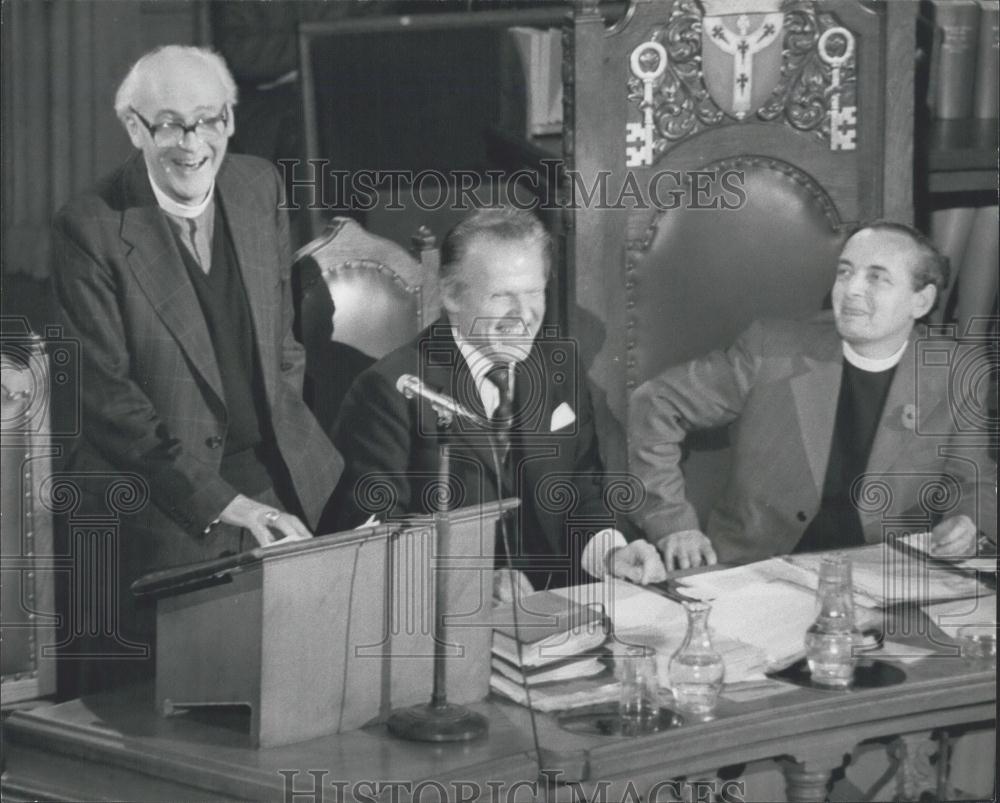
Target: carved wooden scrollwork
814,91
817,195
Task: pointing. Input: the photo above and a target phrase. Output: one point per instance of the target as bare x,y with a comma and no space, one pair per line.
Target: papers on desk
921,542
713,585
760,614
953,615
882,576
640,616
885,576
771,604
771,616
632,609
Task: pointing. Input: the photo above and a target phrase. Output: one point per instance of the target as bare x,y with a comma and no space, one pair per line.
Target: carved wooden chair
26,529
357,297
746,138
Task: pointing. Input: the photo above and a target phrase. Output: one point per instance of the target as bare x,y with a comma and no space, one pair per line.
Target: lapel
897,422
252,250
159,270
534,393
815,388
535,397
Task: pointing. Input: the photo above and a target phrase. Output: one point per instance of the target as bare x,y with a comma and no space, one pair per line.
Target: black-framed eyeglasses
172,132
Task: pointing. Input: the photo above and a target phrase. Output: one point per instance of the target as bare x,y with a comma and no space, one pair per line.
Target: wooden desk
114,746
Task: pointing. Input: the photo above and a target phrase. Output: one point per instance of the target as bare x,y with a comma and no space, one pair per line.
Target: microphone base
437,723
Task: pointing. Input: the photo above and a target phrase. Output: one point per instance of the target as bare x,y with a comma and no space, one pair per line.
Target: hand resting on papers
686,549
954,536
638,562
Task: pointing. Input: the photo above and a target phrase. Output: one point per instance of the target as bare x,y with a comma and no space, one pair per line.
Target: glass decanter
696,669
831,638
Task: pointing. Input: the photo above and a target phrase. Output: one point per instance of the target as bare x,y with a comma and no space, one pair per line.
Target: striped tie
503,416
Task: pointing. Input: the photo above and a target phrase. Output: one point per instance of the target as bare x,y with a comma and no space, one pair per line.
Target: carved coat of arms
741,46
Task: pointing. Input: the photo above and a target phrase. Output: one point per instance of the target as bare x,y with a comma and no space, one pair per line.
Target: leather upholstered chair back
704,275
358,296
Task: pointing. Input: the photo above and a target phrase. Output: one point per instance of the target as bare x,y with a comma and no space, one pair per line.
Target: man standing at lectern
174,276
535,436
841,423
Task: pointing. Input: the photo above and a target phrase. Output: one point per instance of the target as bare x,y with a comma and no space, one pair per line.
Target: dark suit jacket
778,385
391,447
153,410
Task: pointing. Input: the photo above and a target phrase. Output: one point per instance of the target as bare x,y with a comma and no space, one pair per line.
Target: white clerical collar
177,209
871,364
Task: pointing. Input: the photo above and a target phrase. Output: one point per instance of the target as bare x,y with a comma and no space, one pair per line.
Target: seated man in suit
535,437
173,275
839,423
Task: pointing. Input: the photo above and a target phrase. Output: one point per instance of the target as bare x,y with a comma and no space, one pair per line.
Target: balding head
170,67
177,106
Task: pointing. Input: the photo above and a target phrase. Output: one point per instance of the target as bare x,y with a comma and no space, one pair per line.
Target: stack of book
968,236
549,652
964,59
963,93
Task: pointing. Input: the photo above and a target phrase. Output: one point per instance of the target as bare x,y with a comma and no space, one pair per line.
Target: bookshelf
961,156
955,177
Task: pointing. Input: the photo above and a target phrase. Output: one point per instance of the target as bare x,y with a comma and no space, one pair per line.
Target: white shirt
595,553
479,366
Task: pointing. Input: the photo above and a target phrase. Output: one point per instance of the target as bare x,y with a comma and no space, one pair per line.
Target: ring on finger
271,516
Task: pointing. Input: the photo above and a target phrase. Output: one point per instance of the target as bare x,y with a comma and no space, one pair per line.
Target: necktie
503,416
199,244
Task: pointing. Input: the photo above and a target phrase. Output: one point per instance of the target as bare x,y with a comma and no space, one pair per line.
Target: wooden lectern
328,635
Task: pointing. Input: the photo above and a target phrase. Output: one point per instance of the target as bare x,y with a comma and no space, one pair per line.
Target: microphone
411,386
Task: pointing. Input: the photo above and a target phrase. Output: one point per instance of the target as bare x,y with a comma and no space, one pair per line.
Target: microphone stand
439,720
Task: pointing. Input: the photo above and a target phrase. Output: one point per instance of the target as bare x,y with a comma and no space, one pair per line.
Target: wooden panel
897,165
197,639
330,634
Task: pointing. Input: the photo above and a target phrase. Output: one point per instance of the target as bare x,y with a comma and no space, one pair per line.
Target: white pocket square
562,417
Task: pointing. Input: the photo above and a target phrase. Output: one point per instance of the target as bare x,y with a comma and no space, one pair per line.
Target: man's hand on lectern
267,524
